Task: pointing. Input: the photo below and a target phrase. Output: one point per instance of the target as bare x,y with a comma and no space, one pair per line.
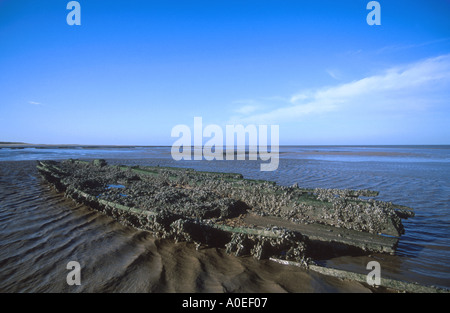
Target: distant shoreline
12,143
6,144
18,145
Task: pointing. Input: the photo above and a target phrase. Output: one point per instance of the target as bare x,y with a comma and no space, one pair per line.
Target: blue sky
134,69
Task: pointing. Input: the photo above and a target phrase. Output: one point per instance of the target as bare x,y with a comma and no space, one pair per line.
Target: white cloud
409,87
400,47
34,102
333,73
246,109
299,97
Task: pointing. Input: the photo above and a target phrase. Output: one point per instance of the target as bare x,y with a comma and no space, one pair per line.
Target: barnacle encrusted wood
224,209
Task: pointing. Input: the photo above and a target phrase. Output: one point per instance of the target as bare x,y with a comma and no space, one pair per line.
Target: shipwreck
285,224
247,217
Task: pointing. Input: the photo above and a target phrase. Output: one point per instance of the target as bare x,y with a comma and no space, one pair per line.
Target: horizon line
7,143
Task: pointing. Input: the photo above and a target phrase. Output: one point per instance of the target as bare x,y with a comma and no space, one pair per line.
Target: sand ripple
41,232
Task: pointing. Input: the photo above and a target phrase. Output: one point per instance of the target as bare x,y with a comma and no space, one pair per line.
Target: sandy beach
41,231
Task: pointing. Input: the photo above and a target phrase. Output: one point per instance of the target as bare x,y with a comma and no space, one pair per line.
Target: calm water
415,176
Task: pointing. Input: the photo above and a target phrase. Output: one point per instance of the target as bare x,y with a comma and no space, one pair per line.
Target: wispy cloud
334,73
399,88
246,109
35,103
400,47
246,106
352,53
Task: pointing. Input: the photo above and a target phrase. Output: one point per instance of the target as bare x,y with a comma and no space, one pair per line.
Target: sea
41,231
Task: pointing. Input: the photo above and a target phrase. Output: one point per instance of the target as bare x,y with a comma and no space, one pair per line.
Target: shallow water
41,231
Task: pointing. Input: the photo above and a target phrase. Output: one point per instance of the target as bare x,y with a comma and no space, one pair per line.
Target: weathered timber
224,209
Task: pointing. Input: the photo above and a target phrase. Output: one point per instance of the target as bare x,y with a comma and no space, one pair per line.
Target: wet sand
41,232
356,153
